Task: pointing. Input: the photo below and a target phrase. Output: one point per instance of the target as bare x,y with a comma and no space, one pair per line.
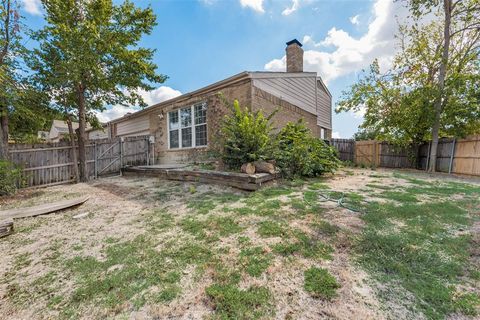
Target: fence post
95,167
451,156
428,155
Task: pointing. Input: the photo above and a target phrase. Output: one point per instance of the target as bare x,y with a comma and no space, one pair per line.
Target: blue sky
199,42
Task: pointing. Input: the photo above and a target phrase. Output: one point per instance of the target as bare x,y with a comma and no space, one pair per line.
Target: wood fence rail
459,156
52,163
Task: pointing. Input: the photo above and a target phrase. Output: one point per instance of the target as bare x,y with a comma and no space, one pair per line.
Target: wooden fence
52,163
345,148
460,156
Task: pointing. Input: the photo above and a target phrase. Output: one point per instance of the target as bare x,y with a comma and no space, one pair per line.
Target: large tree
9,53
460,18
402,104
89,57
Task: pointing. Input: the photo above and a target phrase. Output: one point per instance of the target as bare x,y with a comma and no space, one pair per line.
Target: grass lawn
374,244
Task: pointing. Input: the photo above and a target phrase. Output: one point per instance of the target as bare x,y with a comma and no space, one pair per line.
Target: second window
187,127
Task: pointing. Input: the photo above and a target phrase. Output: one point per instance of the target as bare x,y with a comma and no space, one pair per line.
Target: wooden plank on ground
41,209
6,227
233,179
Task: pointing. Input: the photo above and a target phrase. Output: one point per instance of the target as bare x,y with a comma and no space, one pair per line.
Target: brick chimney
294,56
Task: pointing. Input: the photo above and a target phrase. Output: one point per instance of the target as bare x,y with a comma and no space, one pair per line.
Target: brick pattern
247,95
294,58
216,110
288,112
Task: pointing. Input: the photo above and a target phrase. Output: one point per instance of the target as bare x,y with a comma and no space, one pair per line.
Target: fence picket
461,156
52,163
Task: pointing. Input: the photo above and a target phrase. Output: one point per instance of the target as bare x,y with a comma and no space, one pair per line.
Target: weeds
320,283
305,245
271,229
231,302
422,255
255,260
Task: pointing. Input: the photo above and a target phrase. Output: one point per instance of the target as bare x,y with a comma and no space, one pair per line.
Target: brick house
185,127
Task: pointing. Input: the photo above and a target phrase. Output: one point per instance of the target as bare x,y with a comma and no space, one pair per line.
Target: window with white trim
187,127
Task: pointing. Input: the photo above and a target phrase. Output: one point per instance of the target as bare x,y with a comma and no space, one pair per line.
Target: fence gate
367,153
110,156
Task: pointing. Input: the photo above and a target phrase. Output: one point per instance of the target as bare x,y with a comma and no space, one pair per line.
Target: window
322,133
187,127
173,126
200,124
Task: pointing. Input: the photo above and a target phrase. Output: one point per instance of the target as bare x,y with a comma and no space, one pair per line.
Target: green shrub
10,177
298,153
246,136
320,283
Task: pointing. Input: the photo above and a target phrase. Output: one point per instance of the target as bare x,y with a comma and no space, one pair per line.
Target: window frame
192,126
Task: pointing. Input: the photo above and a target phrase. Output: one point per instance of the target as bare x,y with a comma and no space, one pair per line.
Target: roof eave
238,77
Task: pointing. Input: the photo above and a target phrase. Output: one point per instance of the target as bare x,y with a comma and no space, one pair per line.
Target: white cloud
256,5
351,54
360,113
308,40
277,64
32,6
293,8
355,20
158,95
336,135
208,2
115,112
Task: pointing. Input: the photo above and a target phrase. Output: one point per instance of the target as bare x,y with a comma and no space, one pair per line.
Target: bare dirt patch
36,280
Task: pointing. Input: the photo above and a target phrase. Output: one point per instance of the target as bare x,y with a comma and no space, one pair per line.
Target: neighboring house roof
225,82
103,126
62,126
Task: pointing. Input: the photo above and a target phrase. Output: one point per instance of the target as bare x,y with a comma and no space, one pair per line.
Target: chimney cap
294,41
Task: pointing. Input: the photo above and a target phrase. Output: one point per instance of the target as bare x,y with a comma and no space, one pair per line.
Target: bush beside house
248,136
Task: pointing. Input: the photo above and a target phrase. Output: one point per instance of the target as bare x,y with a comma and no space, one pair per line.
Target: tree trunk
263,166
439,102
82,137
4,51
4,134
248,168
74,149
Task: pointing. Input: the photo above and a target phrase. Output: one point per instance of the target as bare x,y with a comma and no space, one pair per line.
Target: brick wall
287,111
246,94
216,110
